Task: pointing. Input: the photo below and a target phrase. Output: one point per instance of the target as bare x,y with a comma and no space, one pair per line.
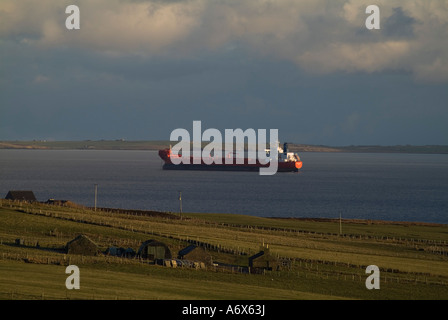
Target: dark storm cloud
399,24
139,69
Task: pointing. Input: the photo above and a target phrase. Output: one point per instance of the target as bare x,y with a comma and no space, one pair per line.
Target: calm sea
398,187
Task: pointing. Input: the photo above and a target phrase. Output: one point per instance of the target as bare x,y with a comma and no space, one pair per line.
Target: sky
137,70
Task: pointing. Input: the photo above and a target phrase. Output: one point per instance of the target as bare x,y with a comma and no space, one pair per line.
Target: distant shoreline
158,144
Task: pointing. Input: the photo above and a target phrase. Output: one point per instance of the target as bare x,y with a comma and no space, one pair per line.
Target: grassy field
317,262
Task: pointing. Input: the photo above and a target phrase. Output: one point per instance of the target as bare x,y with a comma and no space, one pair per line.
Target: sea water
381,186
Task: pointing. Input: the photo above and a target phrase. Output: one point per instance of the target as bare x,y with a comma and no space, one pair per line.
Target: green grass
361,227
27,281
322,264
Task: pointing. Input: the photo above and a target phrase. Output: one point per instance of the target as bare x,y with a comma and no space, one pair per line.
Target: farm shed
262,260
154,250
21,196
194,253
82,245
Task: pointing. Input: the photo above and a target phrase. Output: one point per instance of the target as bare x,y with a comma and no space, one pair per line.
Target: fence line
250,228
209,246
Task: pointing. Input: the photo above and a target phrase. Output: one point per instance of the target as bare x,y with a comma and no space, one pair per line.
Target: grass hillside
314,261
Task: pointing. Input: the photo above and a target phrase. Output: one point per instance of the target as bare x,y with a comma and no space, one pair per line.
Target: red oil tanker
287,162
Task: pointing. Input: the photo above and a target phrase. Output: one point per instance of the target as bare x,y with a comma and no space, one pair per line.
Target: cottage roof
21,195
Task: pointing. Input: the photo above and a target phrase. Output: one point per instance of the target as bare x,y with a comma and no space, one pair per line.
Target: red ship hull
166,156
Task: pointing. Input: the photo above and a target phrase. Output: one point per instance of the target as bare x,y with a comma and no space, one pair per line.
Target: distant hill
427,149
85,145
159,144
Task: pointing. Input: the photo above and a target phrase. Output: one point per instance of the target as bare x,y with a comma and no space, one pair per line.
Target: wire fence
302,267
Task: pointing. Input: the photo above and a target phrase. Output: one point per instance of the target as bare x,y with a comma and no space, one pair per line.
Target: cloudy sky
310,68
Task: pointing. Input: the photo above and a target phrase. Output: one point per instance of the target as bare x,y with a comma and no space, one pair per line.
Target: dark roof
152,243
21,195
257,255
119,252
81,245
187,250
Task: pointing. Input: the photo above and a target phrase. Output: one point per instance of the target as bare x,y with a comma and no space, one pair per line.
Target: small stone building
82,245
19,195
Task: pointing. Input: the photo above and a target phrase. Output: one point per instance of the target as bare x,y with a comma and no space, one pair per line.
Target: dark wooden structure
262,260
154,250
19,195
82,245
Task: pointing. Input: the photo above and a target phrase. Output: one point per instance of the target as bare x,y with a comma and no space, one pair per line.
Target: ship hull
221,167
165,155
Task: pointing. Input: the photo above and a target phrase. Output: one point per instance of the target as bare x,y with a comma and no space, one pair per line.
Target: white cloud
318,35
368,57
